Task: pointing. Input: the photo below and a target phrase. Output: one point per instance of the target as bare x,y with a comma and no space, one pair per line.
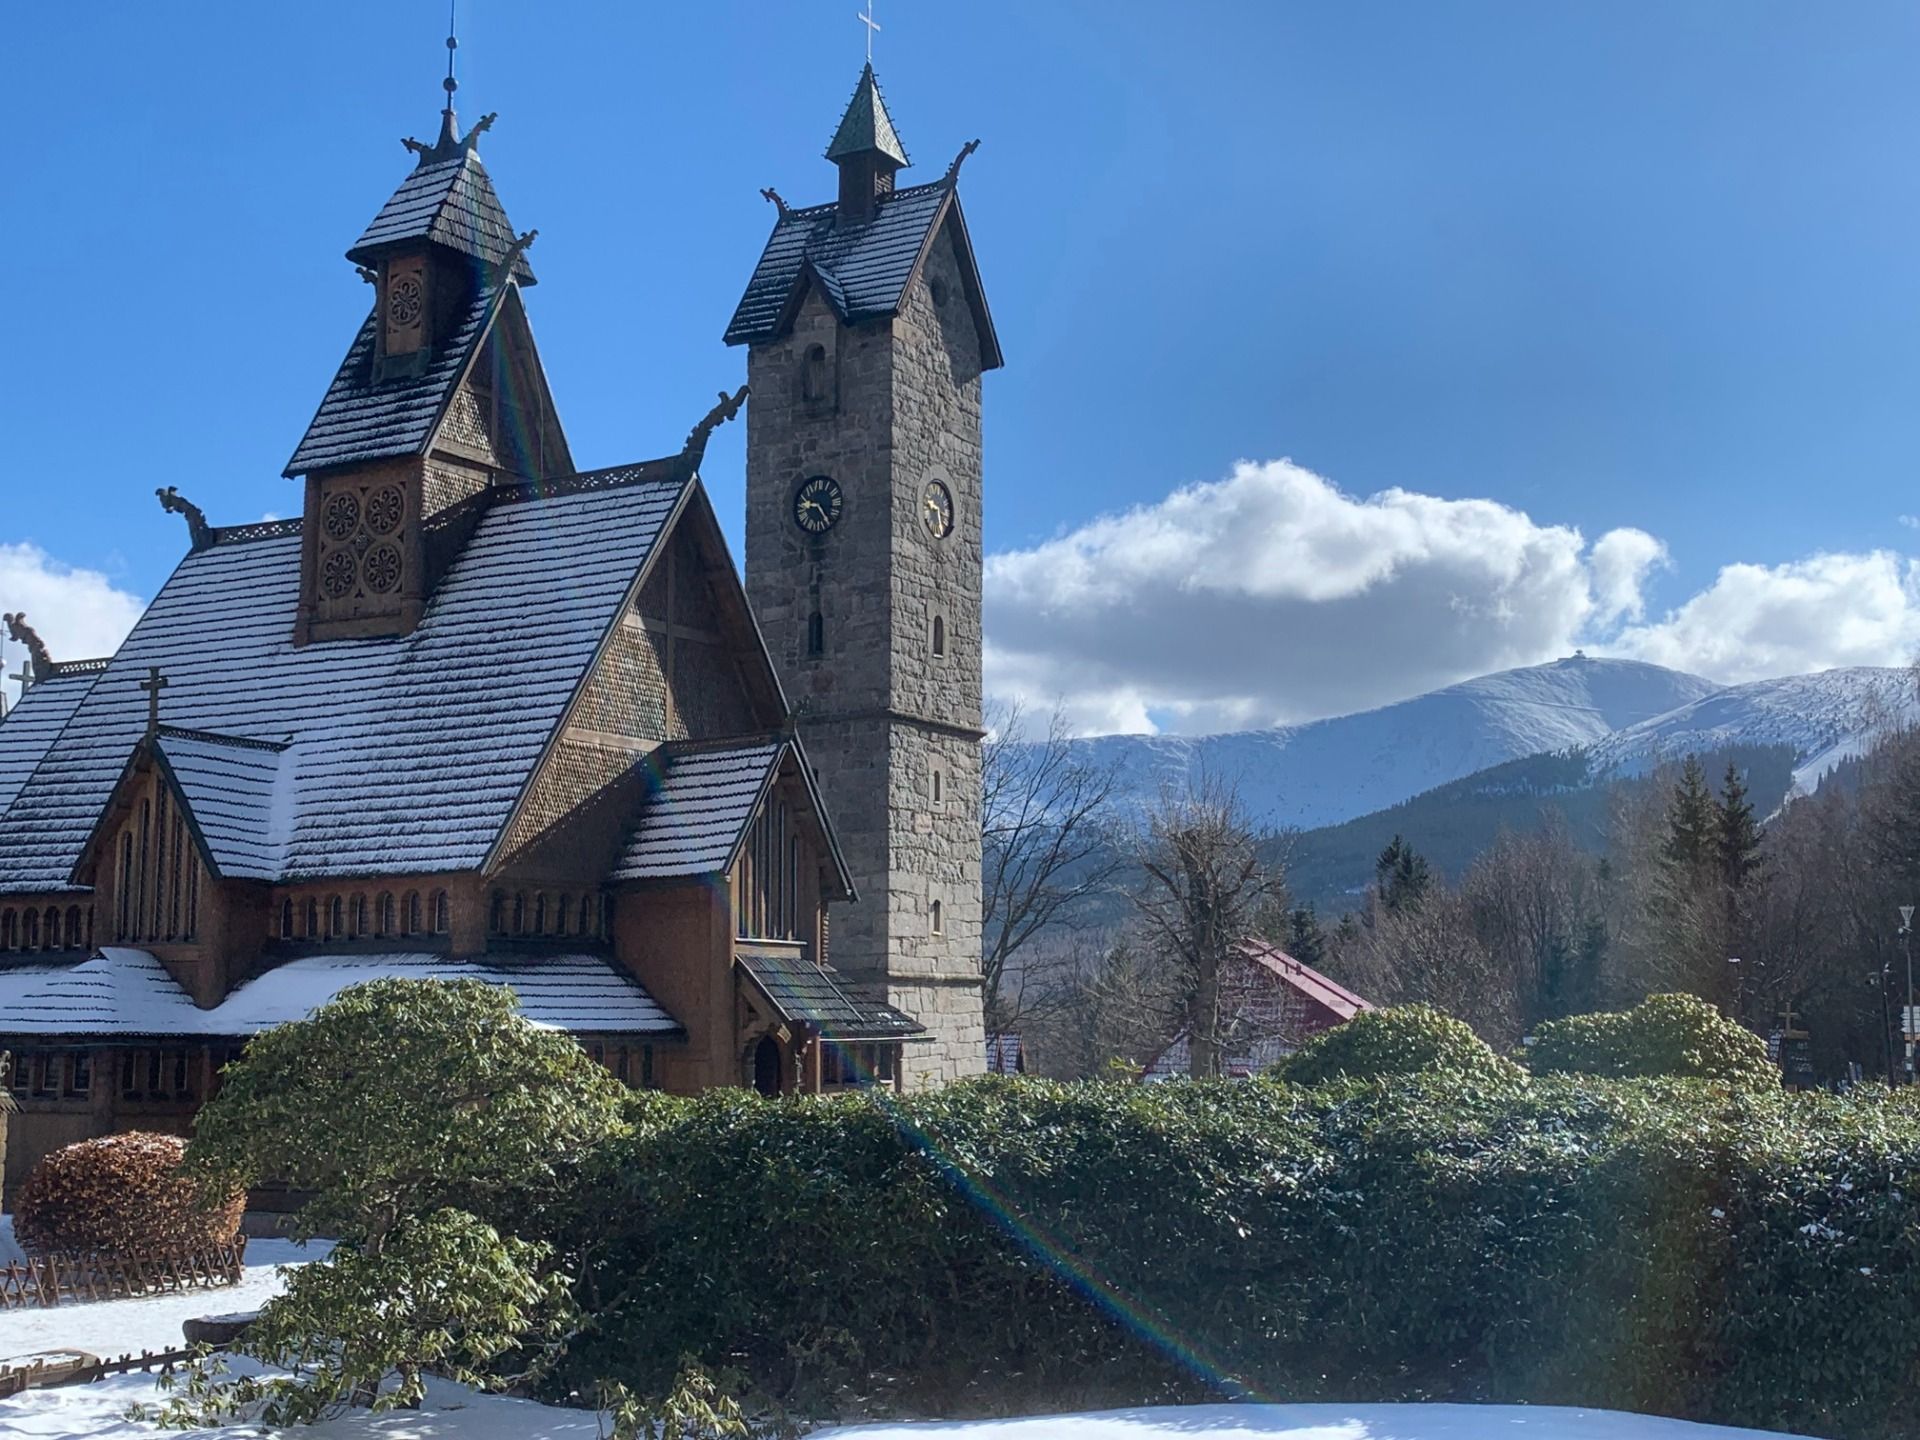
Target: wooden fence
68,1275
34,1372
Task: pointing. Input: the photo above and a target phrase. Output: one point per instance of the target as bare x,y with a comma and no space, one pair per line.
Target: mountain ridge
1627,715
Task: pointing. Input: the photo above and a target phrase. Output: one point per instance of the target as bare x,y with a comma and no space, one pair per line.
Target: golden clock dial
936,510
817,505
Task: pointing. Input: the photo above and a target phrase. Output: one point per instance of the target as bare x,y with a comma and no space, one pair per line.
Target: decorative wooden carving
174,503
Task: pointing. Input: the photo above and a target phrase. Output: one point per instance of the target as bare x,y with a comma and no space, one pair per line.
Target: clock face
936,510
403,300
816,505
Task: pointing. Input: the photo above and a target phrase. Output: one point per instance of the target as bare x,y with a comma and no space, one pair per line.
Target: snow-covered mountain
1826,717
1331,770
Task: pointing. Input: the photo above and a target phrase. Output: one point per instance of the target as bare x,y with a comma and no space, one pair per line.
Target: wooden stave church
298,773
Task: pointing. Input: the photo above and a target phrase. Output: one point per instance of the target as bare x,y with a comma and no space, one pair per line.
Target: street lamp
1906,1016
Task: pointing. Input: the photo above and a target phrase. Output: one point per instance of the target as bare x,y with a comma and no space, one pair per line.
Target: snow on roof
405,754
30,727
229,786
123,992
699,805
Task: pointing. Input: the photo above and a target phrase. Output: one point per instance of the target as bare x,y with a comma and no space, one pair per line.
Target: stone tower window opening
939,636
939,922
816,634
938,786
816,380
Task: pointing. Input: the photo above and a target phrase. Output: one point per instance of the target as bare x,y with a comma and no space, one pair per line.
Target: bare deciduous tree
1205,888
1047,845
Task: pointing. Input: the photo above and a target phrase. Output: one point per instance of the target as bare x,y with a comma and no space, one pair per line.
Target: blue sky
1644,269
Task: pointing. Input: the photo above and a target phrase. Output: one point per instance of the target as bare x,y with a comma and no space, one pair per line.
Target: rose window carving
403,304
386,508
337,573
381,568
341,516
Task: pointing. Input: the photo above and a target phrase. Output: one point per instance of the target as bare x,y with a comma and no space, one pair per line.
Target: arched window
357,919
30,931
938,788
286,919
540,913
410,913
9,930
939,635
519,912
313,918
73,927
383,914
816,634
816,381
497,913
586,915
937,919
440,917
563,923
336,916
50,928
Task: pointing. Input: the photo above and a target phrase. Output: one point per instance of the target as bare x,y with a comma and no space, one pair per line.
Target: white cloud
1622,560
1756,621
1272,595
1912,522
79,613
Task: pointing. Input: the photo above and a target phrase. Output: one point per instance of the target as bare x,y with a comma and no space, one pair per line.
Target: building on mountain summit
478,713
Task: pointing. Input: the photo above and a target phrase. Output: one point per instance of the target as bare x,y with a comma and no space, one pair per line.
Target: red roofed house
1272,1004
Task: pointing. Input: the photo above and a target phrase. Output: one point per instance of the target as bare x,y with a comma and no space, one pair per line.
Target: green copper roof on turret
866,127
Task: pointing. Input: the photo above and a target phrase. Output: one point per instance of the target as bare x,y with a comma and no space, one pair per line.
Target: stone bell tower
867,334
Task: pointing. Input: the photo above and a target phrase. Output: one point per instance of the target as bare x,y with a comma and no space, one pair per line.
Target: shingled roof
127,993
448,201
362,417
864,269
230,786
32,725
821,998
404,754
700,800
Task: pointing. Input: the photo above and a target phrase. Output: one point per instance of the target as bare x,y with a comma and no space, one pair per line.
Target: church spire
867,149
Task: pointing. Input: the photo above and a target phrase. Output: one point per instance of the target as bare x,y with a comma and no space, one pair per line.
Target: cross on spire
865,17
153,685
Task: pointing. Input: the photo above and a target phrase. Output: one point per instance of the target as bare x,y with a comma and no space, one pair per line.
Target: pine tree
1737,839
1401,875
1306,941
1692,821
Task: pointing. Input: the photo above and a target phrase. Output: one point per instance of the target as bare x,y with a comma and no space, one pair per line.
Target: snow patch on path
97,1412
121,1327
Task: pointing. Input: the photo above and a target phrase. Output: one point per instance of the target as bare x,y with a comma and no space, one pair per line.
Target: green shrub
1400,1041
1664,1035
1656,1245
402,1097
122,1193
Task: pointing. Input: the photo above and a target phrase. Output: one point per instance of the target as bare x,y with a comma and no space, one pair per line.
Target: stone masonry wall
880,713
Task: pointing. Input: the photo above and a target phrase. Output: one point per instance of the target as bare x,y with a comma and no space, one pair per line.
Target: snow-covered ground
120,1327
95,1412
98,1411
